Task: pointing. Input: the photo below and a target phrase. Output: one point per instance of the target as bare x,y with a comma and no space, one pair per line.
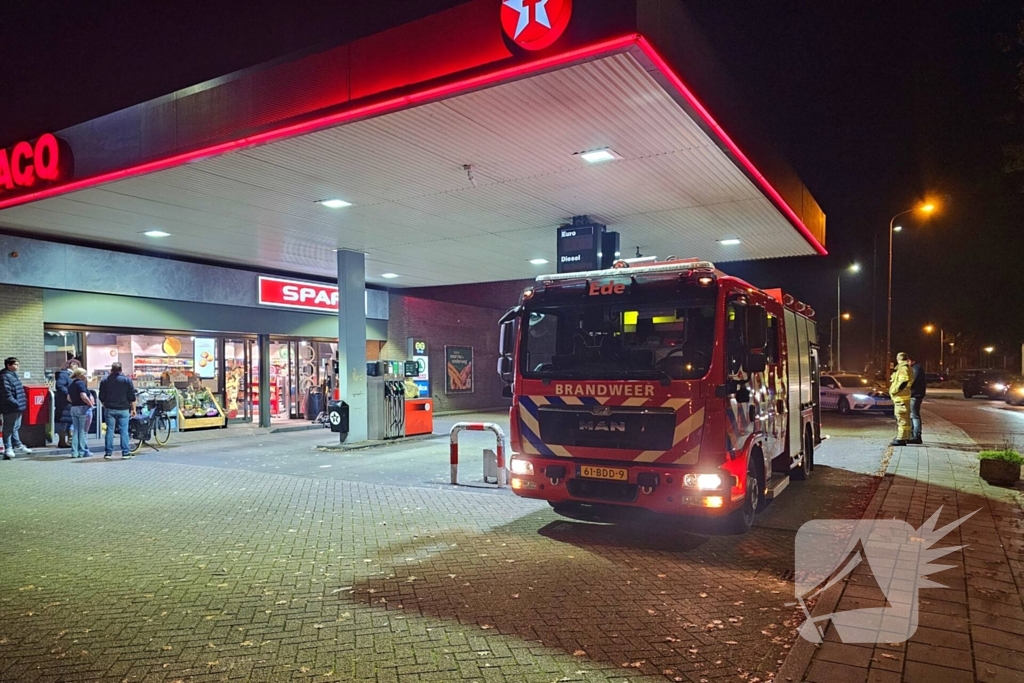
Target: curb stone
800,656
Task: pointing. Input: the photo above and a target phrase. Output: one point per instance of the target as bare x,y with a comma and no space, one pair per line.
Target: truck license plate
610,473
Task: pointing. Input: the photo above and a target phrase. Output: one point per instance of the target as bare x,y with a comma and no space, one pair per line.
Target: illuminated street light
840,316
929,328
927,209
989,349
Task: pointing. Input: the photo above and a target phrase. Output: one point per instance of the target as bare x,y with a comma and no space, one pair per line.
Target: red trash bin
38,412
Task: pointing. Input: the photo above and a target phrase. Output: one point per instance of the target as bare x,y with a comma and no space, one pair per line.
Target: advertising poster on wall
204,351
458,362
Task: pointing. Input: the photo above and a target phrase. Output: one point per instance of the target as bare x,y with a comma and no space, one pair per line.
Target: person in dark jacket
12,404
917,391
117,396
61,402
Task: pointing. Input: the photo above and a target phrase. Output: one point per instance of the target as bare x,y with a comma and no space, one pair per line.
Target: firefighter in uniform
899,390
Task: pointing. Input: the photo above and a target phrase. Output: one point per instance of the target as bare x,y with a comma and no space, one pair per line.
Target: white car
853,394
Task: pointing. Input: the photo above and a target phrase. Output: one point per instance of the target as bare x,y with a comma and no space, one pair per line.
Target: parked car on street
849,393
990,383
935,377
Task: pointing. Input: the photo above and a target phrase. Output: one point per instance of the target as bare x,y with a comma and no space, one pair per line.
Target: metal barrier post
477,427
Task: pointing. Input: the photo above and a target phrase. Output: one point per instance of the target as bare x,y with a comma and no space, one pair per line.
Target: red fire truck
668,386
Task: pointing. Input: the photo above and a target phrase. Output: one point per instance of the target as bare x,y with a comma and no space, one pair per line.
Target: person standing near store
61,404
117,395
917,391
81,405
899,390
12,404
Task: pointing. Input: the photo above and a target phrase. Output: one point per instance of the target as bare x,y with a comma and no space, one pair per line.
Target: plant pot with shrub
1002,467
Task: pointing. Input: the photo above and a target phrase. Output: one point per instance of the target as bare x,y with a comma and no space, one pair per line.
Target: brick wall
21,335
443,323
21,329
503,295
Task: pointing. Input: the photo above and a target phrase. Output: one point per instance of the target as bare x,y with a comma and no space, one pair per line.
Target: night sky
877,105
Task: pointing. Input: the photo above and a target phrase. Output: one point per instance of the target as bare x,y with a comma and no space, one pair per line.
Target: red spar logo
535,24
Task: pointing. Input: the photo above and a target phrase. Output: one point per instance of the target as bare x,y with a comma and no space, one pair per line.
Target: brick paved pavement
158,570
970,631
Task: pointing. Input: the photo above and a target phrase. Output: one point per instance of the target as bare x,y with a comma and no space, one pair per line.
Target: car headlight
861,397
521,467
999,386
1020,389
704,482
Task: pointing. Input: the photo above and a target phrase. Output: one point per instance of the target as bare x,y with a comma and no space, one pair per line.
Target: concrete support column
263,348
352,339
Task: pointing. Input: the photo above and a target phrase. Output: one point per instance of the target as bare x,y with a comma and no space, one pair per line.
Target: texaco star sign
535,24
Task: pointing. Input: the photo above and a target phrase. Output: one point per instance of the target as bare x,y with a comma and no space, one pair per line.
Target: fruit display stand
199,409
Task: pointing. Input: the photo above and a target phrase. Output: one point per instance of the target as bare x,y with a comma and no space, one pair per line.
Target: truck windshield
619,340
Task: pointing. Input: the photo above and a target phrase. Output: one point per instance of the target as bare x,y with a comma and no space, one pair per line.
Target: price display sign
579,247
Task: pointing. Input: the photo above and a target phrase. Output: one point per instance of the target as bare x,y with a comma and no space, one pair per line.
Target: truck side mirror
756,361
756,328
505,368
756,333
506,338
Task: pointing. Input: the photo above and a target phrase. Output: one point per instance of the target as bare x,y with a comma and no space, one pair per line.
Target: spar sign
306,296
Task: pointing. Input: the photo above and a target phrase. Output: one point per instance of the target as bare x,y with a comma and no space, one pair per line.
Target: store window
182,370
59,347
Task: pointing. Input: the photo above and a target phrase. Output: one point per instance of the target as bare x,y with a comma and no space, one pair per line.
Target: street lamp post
942,343
853,268
833,339
926,208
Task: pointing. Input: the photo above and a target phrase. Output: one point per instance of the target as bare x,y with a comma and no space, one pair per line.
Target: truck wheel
801,473
740,521
844,407
968,394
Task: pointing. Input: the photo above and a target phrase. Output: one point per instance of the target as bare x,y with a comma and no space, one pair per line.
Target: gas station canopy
456,142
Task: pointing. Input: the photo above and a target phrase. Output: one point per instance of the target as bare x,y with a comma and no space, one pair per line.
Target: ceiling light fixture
538,261
334,203
729,242
156,233
389,276
598,155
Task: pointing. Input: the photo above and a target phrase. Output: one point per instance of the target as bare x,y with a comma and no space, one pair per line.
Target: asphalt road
989,423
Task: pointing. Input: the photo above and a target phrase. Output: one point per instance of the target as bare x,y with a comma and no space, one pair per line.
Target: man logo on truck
602,426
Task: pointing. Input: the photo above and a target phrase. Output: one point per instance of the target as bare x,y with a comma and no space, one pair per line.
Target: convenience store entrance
300,378
300,375
241,384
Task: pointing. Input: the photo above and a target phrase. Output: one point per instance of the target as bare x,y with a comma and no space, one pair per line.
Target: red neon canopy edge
692,100
435,93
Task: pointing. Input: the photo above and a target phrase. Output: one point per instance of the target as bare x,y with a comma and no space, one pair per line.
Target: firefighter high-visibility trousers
902,410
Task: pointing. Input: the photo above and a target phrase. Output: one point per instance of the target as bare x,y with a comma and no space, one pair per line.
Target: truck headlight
704,482
999,386
521,467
